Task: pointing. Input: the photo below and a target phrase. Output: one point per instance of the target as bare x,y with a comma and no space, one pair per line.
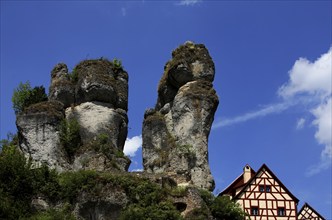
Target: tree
24,95
16,183
223,208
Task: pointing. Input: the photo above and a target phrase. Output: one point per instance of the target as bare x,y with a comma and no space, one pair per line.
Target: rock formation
176,131
94,97
39,134
83,126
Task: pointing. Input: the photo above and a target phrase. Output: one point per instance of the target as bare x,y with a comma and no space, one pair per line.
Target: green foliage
207,197
223,208
71,183
53,214
198,214
178,191
46,182
12,139
187,151
120,154
117,64
24,96
160,211
70,137
104,145
16,183
73,76
146,200
20,95
37,94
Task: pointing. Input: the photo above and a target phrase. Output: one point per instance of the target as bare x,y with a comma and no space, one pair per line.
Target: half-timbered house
308,213
262,195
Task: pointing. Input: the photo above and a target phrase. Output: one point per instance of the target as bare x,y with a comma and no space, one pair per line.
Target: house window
254,210
263,188
281,211
268,188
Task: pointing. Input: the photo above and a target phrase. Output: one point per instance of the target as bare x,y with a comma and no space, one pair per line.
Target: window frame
254,210
281,211
268,188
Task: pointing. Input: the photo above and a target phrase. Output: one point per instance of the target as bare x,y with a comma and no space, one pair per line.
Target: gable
307,212
237,185
264,177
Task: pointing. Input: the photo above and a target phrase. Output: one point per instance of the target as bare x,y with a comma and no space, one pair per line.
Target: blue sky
273,74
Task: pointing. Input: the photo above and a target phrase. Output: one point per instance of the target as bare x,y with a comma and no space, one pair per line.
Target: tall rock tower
176,131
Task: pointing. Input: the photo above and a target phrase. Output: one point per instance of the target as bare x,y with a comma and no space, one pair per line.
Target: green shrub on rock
70,137
25,95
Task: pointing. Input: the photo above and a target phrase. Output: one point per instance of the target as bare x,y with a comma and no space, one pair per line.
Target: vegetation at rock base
52,214
102,144
20,184
24,96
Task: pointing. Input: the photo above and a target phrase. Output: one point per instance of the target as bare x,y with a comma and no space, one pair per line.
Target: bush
25,96
37,95
223,208
73,76
70,137
71,183
53,214
117,64
16,183
161,211
46,182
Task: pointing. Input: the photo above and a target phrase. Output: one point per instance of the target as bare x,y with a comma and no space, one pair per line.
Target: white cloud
310,78
310,83
313,80
132,145
267,110
189,2
300,123
323,122
323,114
137,170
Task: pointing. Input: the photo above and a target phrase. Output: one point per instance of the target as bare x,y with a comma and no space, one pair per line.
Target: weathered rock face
39,134
100,118
61,88
95,96
107,206
91,80
175,133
